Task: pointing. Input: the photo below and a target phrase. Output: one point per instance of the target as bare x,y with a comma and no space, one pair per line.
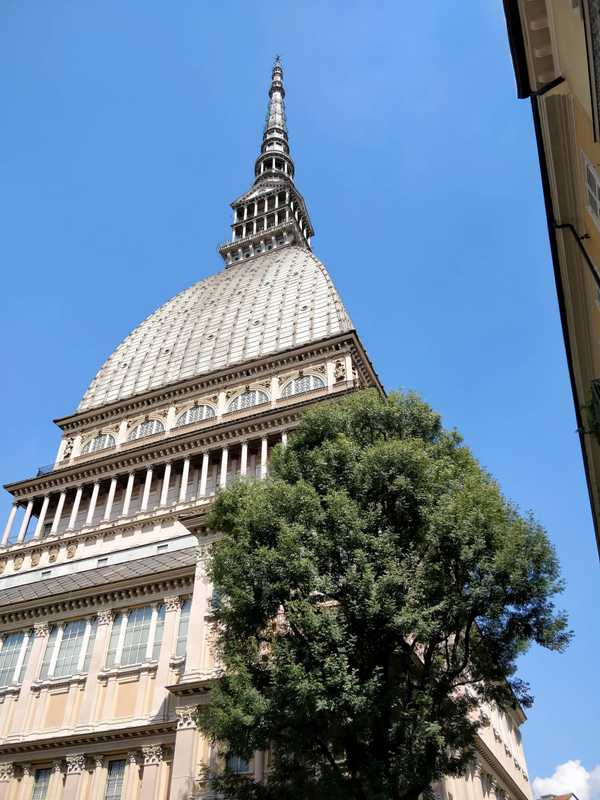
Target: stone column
223,476
92,505
42,517
244,460
25,522
110,499
153,756
32,668
132,776
26,784
75,509
264,450
97,783
167,651
147,486
197,624
128,491
9,524
183,772
7,773
75,768
103,620
184,480
164,494
55,787
58,513
204,475
284,438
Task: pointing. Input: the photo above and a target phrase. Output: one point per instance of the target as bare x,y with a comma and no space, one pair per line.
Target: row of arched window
197,413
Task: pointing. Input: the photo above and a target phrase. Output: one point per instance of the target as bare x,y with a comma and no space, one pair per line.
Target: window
592,180
69,649
14,653
114,780
237,764
41,784
304,384
100,442
196,414
146,428
252,397
135,638
184,623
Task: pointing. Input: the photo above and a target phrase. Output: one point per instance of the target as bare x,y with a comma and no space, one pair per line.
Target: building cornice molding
250,370
90,740
494,764
143,588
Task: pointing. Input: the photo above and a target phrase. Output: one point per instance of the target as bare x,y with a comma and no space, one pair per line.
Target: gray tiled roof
102,576
271,303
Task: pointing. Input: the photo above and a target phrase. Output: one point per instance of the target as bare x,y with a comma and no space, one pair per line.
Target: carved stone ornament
71,550
133,757
172,603
75,763
339,371
58,766
18,562
25,770
152,754
186,717
98,762
41,629
68,448
105,617
7,770
320,369
35,557
53,555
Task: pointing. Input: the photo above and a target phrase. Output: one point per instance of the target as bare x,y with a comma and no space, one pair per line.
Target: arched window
304,384
196,414
252,397
100,442
146,428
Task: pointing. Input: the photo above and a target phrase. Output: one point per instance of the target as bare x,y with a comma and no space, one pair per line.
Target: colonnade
159,485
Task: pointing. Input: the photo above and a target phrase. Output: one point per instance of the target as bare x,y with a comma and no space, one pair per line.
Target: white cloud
571,776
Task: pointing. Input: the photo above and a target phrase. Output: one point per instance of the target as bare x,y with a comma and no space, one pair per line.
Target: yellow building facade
555,46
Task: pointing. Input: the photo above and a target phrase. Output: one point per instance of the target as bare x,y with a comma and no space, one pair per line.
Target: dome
274,302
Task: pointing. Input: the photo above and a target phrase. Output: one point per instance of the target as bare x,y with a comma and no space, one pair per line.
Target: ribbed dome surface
273,302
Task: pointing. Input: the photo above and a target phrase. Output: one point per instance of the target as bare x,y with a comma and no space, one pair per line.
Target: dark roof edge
518,52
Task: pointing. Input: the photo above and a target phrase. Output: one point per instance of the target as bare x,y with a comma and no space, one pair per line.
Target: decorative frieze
41,629
186,717
152,754
105,617
75,763
7,771
172,603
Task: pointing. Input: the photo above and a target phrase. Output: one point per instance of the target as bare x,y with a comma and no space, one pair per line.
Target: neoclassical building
105,606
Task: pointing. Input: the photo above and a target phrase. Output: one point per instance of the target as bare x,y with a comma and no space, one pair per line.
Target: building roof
101,576
273,302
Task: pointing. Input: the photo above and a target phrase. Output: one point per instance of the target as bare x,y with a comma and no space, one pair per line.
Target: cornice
495,765
265,366
92,738
96,598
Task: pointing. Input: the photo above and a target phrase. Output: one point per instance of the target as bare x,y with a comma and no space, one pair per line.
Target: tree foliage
377,591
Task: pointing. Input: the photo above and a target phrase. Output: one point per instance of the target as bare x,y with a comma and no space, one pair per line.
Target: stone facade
102,561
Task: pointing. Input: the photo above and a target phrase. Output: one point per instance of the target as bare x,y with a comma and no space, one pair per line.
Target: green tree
376,590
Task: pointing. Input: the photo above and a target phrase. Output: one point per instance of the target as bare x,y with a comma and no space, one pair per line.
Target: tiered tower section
273,213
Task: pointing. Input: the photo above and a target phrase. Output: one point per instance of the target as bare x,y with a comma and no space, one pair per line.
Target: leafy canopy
377,591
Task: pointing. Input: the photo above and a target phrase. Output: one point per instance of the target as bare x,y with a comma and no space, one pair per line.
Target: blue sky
129,127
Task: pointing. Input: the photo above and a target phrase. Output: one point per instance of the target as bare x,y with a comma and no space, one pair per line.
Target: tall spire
273,213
